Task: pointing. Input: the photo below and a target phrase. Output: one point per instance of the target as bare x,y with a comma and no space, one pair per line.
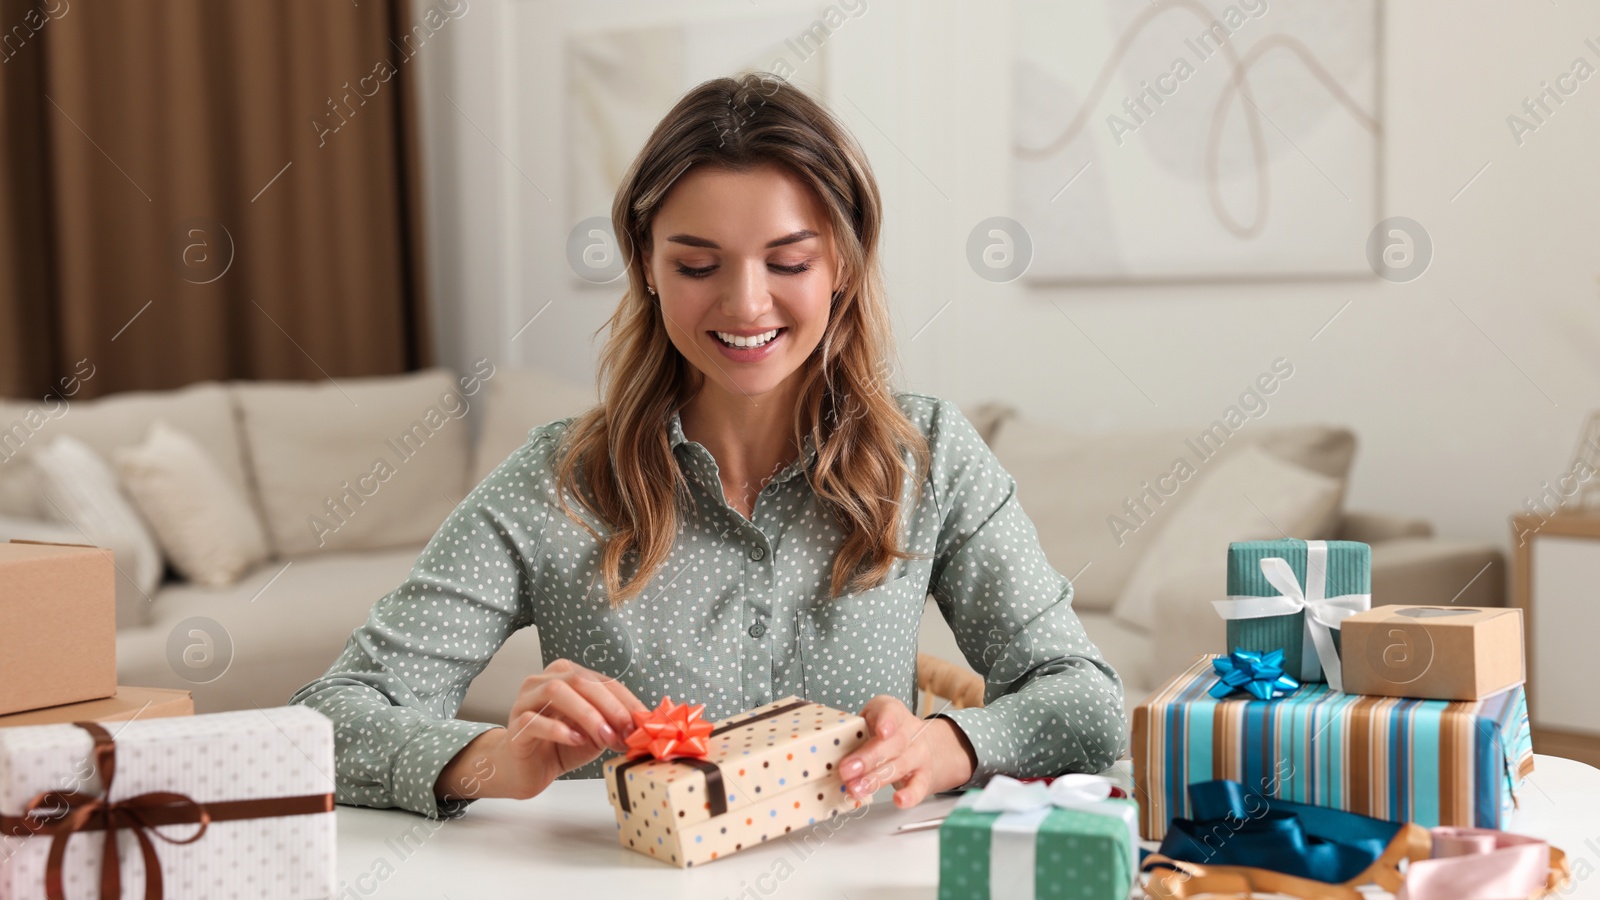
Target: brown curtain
209,189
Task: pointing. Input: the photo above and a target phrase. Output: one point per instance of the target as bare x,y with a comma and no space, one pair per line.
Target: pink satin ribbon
1478,864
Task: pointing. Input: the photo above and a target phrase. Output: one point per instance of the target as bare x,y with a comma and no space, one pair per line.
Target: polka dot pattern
772,783
242,755
738,616
1078,855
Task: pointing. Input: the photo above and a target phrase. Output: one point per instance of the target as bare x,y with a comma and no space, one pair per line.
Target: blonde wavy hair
621,446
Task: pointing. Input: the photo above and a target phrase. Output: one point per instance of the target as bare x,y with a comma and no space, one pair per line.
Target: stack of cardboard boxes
58,640
249,788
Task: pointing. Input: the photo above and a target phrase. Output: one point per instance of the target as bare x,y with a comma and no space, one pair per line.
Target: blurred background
1200,271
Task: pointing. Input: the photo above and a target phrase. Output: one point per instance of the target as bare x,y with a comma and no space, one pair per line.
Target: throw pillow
80,490
1250,495
358,464
202,520
517,401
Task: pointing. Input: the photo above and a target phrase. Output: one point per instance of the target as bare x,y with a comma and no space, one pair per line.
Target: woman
749,514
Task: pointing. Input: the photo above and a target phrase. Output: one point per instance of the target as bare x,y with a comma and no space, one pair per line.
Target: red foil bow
670,730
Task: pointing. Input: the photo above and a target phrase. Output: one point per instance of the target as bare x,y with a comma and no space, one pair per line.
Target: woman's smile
751,350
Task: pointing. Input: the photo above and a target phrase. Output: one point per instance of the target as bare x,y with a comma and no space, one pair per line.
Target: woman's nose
748,296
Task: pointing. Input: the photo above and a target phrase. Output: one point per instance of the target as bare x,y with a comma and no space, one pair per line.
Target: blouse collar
808,454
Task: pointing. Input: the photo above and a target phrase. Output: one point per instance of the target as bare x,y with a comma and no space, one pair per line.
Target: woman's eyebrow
693,241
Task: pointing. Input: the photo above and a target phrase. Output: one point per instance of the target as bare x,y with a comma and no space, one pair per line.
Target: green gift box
1070,841
1291,595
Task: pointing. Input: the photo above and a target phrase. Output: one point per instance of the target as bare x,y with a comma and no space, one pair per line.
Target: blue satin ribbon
1259,674
1234,828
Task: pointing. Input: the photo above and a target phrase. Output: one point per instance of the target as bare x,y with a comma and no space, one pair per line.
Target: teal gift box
1273,585
1037,849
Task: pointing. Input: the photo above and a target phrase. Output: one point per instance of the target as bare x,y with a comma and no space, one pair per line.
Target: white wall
1458,421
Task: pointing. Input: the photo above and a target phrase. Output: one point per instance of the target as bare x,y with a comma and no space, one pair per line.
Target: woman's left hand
920,757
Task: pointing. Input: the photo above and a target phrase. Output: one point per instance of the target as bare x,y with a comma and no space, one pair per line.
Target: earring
651,289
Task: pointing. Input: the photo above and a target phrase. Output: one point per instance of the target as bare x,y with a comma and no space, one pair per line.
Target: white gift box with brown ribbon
232,804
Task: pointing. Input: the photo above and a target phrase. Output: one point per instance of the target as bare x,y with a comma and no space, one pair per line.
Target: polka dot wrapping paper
1077,855
778,768
248,755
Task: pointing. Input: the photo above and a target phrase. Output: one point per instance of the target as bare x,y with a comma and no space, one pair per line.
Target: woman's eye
704,271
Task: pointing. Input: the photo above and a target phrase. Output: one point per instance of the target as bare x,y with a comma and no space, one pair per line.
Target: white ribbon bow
1023,806
1323,613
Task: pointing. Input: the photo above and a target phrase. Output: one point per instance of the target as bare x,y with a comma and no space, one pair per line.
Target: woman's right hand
563,718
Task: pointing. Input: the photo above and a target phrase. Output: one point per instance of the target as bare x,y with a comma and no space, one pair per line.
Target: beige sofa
296,449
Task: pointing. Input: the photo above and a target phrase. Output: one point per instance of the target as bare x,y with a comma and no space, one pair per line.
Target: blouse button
757,630
757,553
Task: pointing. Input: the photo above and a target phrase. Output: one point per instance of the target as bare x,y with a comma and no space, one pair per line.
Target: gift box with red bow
232,804
690,791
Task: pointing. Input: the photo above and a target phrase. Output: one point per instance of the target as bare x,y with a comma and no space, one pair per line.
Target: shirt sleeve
394,690
1051,702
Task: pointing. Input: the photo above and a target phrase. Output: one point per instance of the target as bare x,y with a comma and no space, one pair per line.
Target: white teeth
752,341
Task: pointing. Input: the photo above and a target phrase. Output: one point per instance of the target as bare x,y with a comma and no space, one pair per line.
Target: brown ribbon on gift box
73,811
716,796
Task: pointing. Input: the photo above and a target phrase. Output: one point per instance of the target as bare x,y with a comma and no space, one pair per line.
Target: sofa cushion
82,492
516,402
357,464
282,625
1251,495
203,410
1076,487
206,526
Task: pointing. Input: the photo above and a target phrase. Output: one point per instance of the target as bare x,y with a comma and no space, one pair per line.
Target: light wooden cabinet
1556,582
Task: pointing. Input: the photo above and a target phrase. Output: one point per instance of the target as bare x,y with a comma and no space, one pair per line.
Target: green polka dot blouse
737,617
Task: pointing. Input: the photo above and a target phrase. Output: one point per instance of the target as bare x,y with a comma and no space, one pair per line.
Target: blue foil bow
1234,828
1259,674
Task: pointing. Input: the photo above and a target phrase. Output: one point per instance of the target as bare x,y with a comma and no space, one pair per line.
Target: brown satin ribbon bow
61,814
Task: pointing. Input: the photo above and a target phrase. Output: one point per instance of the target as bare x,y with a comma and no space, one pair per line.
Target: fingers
912,790
531,727
629,701
570,700
885,771
612,709
884,756
580,675
887,741
567,702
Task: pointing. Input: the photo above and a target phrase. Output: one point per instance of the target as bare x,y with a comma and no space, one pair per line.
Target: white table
563,843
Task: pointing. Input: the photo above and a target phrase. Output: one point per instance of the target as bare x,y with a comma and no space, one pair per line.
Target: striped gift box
1433,762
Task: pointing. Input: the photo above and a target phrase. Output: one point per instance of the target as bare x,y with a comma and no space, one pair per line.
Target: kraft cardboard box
58,604
127,704
1433,652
